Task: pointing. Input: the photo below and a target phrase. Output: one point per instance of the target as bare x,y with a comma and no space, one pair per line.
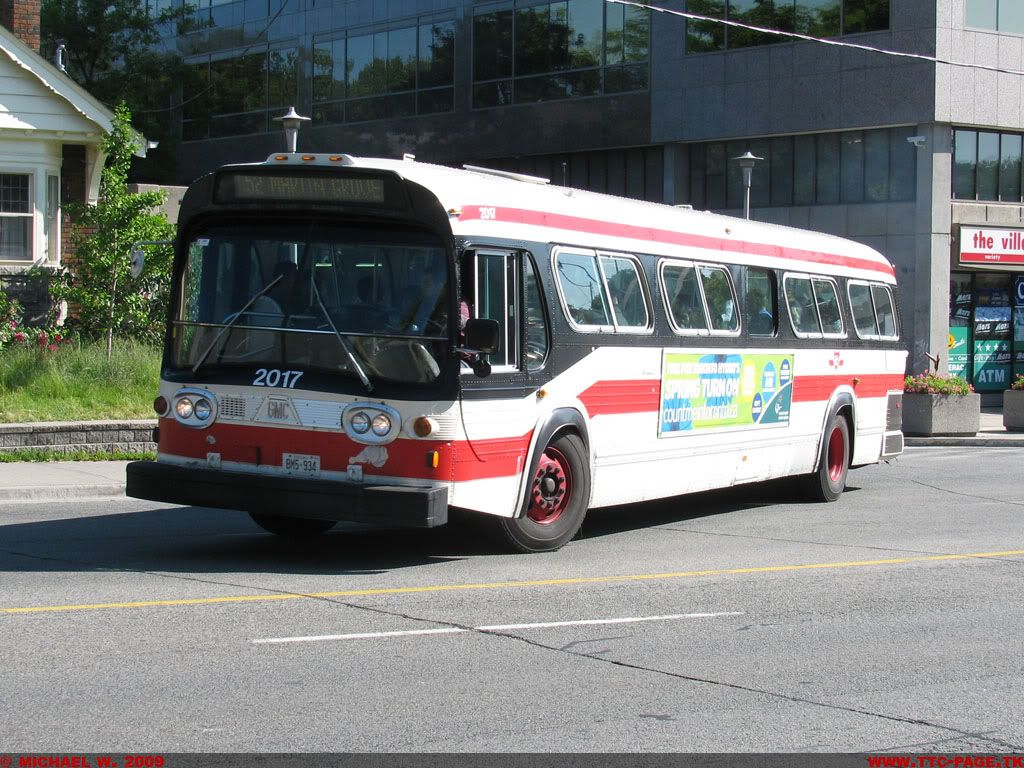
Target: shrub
934,384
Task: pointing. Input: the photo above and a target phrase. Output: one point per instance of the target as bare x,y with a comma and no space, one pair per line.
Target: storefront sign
995,248
724,390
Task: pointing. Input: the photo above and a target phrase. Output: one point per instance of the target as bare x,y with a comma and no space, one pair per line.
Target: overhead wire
821,40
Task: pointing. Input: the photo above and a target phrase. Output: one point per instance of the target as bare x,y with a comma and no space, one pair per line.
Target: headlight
183,407
360,423
381,424
203,409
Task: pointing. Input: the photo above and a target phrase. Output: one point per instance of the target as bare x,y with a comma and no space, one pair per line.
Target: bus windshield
364,303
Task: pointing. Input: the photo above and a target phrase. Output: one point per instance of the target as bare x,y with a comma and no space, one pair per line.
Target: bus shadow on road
199,540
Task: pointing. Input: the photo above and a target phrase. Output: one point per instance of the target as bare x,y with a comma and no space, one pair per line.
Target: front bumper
384,505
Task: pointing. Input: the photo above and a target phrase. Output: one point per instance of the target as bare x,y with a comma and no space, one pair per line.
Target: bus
381,341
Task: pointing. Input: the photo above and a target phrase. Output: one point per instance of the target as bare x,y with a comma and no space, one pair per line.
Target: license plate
301,464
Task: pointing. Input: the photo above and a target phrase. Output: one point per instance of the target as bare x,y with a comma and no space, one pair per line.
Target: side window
536,325
863,310
802,310
489,291
759,302
579,279
681,288
885,315
828,306
720,300
629,305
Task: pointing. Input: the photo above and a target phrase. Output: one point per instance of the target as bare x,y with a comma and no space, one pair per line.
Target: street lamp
291,122
746,161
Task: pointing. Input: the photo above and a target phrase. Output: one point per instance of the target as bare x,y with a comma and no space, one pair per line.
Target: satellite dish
137,261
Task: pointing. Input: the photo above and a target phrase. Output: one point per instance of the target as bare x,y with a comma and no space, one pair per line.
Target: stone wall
92,436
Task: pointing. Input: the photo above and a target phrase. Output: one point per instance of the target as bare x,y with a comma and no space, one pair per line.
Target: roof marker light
307,158
283,158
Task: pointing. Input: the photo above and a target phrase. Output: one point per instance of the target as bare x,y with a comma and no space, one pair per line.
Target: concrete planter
954,415
1013,410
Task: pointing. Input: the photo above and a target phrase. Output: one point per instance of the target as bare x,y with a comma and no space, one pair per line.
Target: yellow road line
512,584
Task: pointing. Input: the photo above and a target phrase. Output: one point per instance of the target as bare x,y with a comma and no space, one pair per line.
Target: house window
15,217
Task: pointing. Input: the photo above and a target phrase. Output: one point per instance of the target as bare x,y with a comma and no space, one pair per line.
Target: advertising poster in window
959,341
714,391
1018,326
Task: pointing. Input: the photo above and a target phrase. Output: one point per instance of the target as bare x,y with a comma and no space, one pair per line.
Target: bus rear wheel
291,527
828,483
556,499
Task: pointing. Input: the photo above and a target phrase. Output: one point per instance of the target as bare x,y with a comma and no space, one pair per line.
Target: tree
104,298
112,51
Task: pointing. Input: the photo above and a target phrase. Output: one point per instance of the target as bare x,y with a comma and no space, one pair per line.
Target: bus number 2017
272,377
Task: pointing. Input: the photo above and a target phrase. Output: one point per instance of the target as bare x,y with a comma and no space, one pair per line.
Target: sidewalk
62,480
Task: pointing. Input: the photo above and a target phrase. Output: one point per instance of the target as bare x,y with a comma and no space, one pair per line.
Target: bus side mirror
482,335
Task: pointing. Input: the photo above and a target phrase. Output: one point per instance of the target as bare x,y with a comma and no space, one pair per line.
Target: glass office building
905,155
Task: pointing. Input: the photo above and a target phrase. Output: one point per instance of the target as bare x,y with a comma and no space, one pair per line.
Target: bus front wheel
556,499
829,481
291,527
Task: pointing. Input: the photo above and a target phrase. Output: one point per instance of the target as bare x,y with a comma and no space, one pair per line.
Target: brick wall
22,18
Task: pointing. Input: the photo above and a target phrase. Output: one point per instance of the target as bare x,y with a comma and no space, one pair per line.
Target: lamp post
746,161
291,122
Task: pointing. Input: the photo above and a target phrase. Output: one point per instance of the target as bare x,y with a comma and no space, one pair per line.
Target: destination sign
304,188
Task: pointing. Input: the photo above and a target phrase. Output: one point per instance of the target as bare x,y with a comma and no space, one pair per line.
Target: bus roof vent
508,174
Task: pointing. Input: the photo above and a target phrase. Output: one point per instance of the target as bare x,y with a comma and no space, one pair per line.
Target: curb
975,442
61,492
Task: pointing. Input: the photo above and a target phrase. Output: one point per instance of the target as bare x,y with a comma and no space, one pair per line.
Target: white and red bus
380,341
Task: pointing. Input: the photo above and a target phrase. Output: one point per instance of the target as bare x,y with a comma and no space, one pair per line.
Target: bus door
501,410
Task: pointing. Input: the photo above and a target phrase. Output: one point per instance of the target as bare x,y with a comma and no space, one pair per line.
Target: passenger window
629,304
682,295
720,300
580,281
760,302
536,325
863,310
885,315
802,311
828,307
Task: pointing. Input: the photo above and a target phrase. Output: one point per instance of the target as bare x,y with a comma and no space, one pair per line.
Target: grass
37,454
77,382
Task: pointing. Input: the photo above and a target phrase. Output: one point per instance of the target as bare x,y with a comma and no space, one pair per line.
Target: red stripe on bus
259,445
634,232
820,388
614,397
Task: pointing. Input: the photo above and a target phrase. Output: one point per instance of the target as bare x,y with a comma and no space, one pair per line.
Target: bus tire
291,527
829,481
556,499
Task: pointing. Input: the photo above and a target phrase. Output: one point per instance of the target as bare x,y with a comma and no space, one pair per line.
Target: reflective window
681,289
720,299
629,303
580,282
863,310
812,169
803,312
987,165
828,306
885,314
821,18
759,302
536,322
1000,15
399,72
558,50
15,216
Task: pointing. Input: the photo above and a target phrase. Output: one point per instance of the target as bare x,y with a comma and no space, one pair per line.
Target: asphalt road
731,621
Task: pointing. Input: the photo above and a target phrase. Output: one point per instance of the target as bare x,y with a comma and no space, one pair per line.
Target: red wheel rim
551,488
836,455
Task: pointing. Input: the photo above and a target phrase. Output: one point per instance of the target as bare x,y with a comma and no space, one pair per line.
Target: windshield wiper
226,328
345,345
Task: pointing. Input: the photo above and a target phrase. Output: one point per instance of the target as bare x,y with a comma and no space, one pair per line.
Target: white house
50,134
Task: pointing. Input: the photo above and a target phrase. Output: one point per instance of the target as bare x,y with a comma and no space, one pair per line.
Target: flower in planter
934,384
1018,383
